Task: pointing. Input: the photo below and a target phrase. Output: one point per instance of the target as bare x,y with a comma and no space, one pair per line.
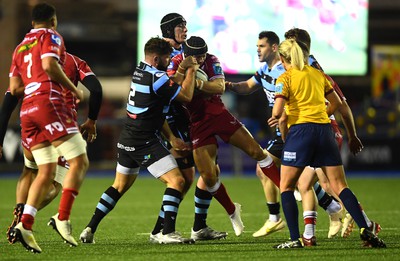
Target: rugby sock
326,201
202,201
159,223
106,203
289,206
171,200
274,214
350,202
270,170
221,195
310,221
67,200
28,217
323,198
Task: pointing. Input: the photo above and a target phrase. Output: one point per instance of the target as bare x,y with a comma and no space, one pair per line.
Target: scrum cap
195,45
168,24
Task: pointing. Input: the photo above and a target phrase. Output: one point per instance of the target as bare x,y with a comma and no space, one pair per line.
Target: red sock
27,221
67,200
223,198
272,172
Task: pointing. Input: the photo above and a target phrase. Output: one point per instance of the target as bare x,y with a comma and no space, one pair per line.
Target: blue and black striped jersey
149,98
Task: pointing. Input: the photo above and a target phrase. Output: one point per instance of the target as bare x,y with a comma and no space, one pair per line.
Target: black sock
274,208
289,206
202,201
159,223
350,202
106,203
171,200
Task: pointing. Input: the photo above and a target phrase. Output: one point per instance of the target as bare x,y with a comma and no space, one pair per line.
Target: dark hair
272,38
43,12
195,45
300,35
157,46
168,24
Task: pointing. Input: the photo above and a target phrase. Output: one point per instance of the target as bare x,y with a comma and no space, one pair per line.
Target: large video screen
338,29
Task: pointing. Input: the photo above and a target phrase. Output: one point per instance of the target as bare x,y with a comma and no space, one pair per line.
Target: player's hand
272,122
228,85
188,62
355,145
79,96
89,128
179,145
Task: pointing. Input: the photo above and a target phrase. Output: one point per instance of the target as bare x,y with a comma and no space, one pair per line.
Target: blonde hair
292,53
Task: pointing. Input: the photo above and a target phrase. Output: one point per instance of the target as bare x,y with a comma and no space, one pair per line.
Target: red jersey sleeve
173,66
335,87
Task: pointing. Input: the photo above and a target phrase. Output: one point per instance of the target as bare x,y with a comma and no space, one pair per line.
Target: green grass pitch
123,234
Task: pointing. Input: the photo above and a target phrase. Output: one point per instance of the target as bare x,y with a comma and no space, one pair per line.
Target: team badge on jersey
217,69
278,88
56,39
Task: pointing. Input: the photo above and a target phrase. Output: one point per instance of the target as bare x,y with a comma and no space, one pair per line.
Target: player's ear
156,59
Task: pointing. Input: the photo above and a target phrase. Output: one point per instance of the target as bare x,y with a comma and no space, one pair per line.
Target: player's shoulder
212,58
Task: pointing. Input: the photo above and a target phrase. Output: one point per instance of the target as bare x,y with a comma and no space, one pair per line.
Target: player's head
44,14
197,47
291,53
300,35
157,52
173,26
267,46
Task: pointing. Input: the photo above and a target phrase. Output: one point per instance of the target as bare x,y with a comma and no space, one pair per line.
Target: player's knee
256,152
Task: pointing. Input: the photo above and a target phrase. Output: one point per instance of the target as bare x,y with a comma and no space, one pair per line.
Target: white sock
334,207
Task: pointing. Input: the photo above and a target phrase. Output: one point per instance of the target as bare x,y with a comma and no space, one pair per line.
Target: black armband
96,95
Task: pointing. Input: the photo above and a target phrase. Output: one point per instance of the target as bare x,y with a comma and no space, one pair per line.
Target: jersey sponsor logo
126,148
146,158
32,87
279,87
289,156
56,39
136,73
270,96
159,74
27,47
54,48
28,111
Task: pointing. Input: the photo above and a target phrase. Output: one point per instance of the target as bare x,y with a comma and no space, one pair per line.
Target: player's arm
53,69
334,102
176,143
16,86
179,75
216,86
188,84
244,87
96,96
355,144
10,102
278,113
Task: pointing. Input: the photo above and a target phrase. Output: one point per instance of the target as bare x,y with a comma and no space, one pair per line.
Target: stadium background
104,32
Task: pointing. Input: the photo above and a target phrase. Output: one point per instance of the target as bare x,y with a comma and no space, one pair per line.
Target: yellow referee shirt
304,92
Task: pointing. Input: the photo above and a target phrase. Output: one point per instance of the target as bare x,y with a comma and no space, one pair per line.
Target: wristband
178,72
